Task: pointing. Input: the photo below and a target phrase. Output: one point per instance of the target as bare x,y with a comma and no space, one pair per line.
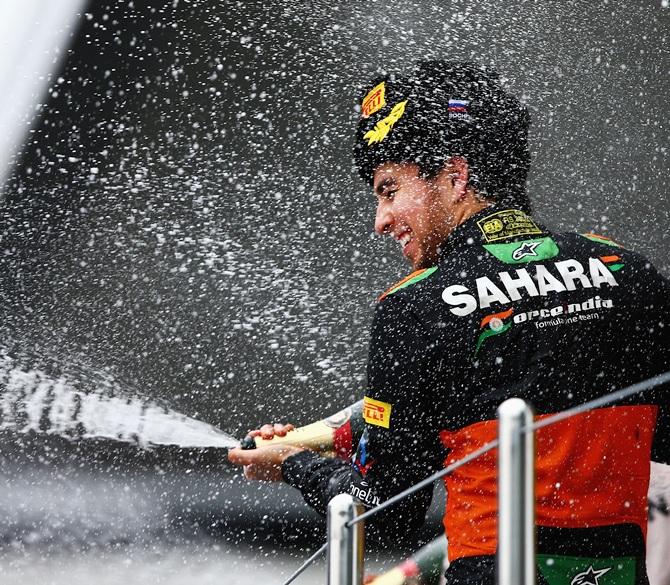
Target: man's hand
263,463
269,431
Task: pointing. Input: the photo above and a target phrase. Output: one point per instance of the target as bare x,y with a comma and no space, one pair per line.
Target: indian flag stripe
484,335
501,316
607,259
602,240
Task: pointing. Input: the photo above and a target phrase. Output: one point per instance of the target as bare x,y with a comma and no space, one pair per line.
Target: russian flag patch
459,109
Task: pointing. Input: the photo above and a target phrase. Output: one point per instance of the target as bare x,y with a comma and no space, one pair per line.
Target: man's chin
421,263
419,260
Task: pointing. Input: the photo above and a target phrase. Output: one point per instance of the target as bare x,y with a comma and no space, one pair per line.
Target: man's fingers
241,456
264,463
271,455
281,430
267,431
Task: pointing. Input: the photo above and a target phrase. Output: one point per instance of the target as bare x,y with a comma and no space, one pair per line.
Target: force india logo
571,275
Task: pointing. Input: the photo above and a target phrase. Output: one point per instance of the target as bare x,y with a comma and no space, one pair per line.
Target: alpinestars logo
590,576
525,249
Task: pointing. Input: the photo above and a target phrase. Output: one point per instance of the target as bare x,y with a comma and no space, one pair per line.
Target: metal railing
516,499
516,494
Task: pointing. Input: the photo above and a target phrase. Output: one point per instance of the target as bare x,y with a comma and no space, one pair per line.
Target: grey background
185,221
186,218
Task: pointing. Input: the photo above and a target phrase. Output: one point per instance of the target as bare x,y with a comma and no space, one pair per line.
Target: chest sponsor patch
506,224
376,412
534,280
524,251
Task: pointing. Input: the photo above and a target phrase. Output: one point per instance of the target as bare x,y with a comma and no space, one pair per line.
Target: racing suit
512,309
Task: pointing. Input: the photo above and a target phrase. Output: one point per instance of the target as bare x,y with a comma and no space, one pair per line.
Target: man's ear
458,172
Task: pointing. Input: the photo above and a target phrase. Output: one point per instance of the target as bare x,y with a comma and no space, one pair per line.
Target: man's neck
470,207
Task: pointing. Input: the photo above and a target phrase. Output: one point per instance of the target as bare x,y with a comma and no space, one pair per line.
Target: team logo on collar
602,240
506,224
416,276
374,101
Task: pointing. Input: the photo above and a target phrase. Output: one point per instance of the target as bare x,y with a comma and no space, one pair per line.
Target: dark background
185,217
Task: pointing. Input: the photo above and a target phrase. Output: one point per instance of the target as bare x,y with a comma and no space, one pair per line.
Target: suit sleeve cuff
295,468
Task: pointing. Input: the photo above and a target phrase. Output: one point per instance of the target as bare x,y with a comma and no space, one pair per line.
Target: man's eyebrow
384,184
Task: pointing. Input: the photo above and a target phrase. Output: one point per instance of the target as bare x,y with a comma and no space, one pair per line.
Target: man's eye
390,194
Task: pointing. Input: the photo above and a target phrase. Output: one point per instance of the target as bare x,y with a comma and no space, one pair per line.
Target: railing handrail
306,564
604,400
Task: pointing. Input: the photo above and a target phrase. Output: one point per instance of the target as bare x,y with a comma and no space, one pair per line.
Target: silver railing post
345,543
516,494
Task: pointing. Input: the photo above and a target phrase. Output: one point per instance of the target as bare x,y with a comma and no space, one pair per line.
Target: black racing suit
512,309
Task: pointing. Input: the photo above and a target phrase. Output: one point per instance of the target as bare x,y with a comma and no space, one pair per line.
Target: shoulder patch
376,412
507,224
409,280
524,251
601,240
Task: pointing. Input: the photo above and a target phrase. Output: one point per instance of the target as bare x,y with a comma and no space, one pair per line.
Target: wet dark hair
449,109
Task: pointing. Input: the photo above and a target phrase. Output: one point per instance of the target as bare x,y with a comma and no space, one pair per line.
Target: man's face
416,212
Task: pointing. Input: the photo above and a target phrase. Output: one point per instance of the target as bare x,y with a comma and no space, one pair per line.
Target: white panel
34,37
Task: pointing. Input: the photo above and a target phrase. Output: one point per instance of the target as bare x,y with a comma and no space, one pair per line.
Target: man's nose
383,220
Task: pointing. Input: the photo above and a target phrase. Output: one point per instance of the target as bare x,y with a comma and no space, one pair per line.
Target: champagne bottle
335,436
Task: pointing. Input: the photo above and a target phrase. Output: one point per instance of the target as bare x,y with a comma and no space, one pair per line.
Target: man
497,306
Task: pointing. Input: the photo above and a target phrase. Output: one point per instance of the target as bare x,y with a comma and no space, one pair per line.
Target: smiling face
418,213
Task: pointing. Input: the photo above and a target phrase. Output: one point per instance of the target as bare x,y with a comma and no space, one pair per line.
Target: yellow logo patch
376,412
374,101
509,223
493,226
383,127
